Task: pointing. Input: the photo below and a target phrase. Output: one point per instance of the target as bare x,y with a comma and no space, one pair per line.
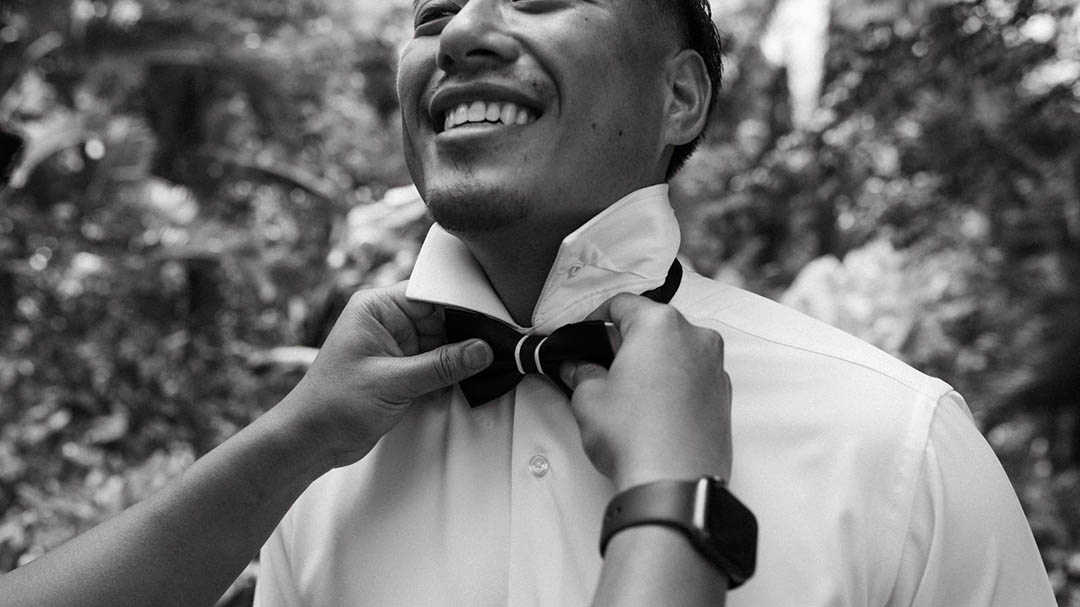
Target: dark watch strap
714,521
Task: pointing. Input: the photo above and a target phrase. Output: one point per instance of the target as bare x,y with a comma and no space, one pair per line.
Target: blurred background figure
203,184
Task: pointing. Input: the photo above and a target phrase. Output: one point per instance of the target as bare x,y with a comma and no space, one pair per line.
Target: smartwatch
719,526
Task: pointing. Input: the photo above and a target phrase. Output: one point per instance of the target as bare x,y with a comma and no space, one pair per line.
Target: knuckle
717,342
673,316
445,365
358,299
712,341
359,304
660,316
381,381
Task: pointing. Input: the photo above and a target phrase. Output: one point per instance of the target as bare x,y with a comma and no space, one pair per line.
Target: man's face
543,111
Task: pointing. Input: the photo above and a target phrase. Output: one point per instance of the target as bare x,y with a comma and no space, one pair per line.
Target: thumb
581,374
442,367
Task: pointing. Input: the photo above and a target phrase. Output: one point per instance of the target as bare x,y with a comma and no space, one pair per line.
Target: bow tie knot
518,355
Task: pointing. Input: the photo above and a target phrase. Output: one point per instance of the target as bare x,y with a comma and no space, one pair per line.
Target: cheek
410,84
616,98
413,73
612,125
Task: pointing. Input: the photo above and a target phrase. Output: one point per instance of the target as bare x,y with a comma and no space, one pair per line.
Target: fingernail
477,355
566,374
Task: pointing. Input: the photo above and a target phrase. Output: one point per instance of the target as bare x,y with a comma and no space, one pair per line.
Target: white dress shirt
869,480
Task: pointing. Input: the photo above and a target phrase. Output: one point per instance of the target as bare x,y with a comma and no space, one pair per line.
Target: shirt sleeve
968,543
275,586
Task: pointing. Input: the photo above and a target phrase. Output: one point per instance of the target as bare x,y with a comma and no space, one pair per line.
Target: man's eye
432,14
539,6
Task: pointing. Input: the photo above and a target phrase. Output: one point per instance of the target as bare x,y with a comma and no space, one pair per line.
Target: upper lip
450,96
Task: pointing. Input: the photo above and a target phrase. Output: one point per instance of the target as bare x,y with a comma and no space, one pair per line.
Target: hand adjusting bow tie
518,354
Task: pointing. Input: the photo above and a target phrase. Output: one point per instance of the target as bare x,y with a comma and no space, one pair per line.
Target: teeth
477,111
488,112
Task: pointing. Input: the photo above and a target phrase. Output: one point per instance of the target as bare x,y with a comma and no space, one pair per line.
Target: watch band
715,522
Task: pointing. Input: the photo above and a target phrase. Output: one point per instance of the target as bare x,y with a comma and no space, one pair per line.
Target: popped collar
627,247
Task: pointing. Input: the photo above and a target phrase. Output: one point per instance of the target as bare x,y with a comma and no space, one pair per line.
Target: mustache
508,77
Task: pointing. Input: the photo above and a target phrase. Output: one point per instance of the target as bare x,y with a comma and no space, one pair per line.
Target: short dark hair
692,20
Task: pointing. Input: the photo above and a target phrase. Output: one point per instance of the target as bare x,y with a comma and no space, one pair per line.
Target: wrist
717,524
645,475
296,437
310,436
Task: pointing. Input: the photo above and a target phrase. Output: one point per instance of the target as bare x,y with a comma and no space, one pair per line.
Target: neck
517,277
517,259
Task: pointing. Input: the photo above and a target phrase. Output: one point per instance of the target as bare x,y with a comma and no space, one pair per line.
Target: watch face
732,528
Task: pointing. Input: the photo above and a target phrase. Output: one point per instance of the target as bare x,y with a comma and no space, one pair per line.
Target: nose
476,39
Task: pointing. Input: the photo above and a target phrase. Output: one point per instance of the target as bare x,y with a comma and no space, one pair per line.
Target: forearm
653,565
185,544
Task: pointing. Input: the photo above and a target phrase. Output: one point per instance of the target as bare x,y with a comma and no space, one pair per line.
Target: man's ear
689,96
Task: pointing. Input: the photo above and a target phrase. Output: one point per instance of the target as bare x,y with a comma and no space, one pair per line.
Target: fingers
575,374
415,325
440,368
623,309
587,381
415,310
603,312
424,314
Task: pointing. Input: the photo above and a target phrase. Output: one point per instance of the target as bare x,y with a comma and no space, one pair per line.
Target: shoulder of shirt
773,325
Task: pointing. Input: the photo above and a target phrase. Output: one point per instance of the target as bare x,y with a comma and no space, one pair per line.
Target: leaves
164,246
206,182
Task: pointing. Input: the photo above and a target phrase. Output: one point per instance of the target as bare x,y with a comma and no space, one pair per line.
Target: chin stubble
465,210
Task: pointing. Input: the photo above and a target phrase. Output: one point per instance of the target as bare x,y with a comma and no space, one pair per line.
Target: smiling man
541,134
523,120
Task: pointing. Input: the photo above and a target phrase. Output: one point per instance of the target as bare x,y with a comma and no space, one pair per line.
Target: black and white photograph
540,303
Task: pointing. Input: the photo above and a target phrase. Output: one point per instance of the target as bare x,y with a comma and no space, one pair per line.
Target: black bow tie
517,354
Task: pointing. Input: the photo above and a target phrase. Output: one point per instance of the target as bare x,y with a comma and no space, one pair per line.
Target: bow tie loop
527,354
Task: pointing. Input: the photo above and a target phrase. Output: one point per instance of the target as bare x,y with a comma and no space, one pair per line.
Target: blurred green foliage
205,182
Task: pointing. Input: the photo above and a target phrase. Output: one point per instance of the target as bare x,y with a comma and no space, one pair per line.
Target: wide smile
482,107
490,113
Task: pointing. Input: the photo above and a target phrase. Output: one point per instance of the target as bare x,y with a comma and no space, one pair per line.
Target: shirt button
538,465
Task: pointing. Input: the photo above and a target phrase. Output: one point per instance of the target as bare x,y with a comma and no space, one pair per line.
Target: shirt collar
627,247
